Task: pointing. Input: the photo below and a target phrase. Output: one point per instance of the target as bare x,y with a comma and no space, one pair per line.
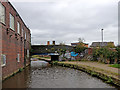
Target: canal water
53,77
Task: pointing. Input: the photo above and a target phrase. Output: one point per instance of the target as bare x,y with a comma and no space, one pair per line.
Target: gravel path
98,65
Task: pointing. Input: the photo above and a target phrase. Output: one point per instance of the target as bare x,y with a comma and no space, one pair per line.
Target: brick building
15,40
102,44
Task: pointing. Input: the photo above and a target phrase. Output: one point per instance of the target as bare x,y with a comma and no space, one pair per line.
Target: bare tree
62,43
81,40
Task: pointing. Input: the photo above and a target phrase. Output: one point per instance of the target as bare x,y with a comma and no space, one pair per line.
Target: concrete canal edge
14,73
95,73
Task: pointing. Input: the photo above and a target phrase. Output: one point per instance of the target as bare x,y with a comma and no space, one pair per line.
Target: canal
53,77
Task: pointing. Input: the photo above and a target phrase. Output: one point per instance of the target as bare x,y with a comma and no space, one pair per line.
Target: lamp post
102,36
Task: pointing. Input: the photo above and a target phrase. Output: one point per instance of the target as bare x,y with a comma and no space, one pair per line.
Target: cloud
67,20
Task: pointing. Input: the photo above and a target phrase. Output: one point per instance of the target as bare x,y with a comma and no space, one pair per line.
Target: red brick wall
0,56
11,45
90,51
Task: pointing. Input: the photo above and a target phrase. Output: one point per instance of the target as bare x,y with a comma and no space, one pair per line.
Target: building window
12,22
3,60
18,57
22,32
2,13
28,53
25,35
18,27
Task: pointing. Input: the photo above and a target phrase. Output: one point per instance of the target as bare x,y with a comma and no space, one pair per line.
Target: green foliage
71,66
95,54
62,51
47,57
35,56
115,65
31,50
111,55
109,80
110,45
52,49
118,52
104,53
21,69
93,73
79,48
54,62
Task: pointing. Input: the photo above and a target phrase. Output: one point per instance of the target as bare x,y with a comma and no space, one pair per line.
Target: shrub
104,53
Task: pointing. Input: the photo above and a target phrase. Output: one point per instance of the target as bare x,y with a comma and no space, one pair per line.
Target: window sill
3,65
19,34
12,29
3,23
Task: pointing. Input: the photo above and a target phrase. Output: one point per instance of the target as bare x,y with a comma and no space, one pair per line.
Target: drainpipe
24,53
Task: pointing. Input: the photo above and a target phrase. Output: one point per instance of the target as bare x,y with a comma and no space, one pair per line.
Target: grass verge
115,66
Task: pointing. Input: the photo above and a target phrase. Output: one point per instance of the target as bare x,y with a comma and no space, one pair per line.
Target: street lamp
102,35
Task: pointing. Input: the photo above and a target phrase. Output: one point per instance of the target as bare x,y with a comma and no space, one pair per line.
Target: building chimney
53,42
48,42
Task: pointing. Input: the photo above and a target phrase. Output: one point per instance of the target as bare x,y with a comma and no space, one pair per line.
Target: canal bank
108,76
15,72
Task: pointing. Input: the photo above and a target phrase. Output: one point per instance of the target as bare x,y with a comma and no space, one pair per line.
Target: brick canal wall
15,46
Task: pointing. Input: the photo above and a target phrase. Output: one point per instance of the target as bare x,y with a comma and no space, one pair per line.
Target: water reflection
38,64
20,80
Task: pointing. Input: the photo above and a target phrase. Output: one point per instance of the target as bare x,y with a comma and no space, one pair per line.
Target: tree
103,54
95,54
62,44
118,54
79,48
111,56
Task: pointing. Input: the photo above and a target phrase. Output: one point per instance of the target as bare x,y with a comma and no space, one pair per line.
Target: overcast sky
67,20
